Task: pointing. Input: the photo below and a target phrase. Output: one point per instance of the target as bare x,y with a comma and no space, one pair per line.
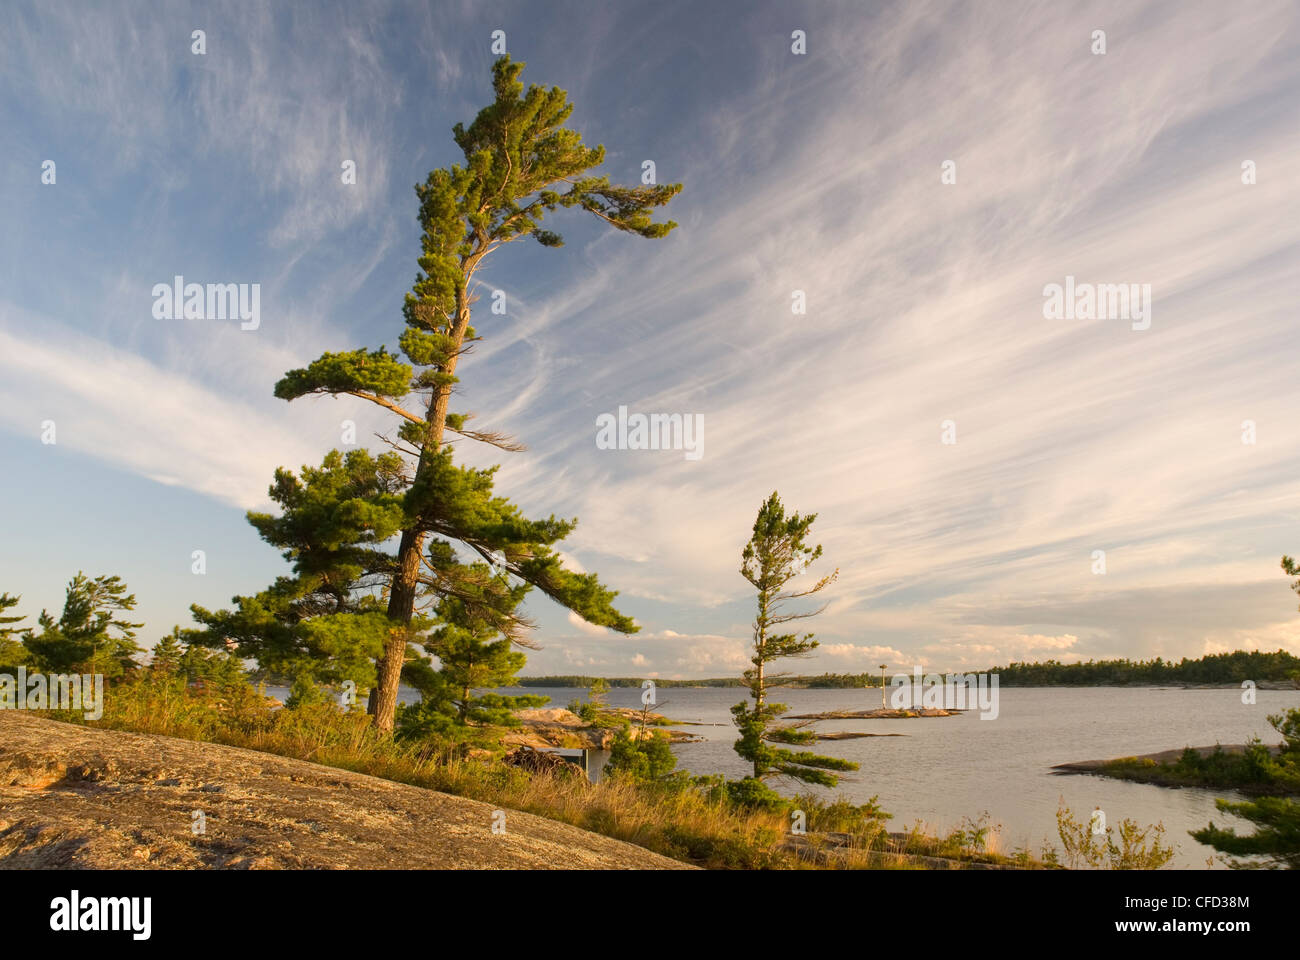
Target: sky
920,173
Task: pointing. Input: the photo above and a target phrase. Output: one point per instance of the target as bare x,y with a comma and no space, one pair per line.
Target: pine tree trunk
405,586
758,703
761,651
401,606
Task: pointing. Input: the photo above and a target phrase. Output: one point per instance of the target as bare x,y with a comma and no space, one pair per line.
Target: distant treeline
575,681
1214,668
833,680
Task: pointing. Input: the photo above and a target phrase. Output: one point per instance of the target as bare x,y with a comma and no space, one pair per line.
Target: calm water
947,768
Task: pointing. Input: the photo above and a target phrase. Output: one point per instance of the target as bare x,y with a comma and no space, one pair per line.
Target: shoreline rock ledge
74,797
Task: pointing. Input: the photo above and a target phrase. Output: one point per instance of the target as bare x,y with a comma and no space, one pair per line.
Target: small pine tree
776,553
167,653
640,758
88,637
6,602
594,709
12,652
303,692
471,661
219,674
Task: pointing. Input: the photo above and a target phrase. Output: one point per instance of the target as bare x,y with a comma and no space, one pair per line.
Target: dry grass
695,825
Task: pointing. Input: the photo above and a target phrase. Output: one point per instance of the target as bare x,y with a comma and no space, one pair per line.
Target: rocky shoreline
1160,757
875,714
1159,769
543,727
76,797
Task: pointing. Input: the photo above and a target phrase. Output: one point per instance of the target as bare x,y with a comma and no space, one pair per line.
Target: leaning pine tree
776,554
88,637
520,163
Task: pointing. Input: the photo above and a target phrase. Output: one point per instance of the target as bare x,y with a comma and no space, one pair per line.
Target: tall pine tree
521,162
776,553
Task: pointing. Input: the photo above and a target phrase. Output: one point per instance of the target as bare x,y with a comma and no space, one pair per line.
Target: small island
1254,769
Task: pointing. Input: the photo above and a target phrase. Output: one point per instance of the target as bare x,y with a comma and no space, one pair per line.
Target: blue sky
818,172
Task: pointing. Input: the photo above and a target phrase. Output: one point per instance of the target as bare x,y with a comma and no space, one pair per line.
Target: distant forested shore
1234,668
1218,668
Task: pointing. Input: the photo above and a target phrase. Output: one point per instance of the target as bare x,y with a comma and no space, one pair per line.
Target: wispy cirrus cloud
925,304
818,173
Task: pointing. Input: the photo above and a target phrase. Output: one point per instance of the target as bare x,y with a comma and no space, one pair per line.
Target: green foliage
325,622
1276,819
576,680
457,505
1254,765
13,654
167,652
839,681
219,669
88,637
517,149
1290,568
1232,668
595,710
368,373
6,602
1099,849
1276,837
1288,724
304,692
776,554
433,722
1214,668
750,793
641,758
178,658
472,658
1257,769
839,815
335,517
